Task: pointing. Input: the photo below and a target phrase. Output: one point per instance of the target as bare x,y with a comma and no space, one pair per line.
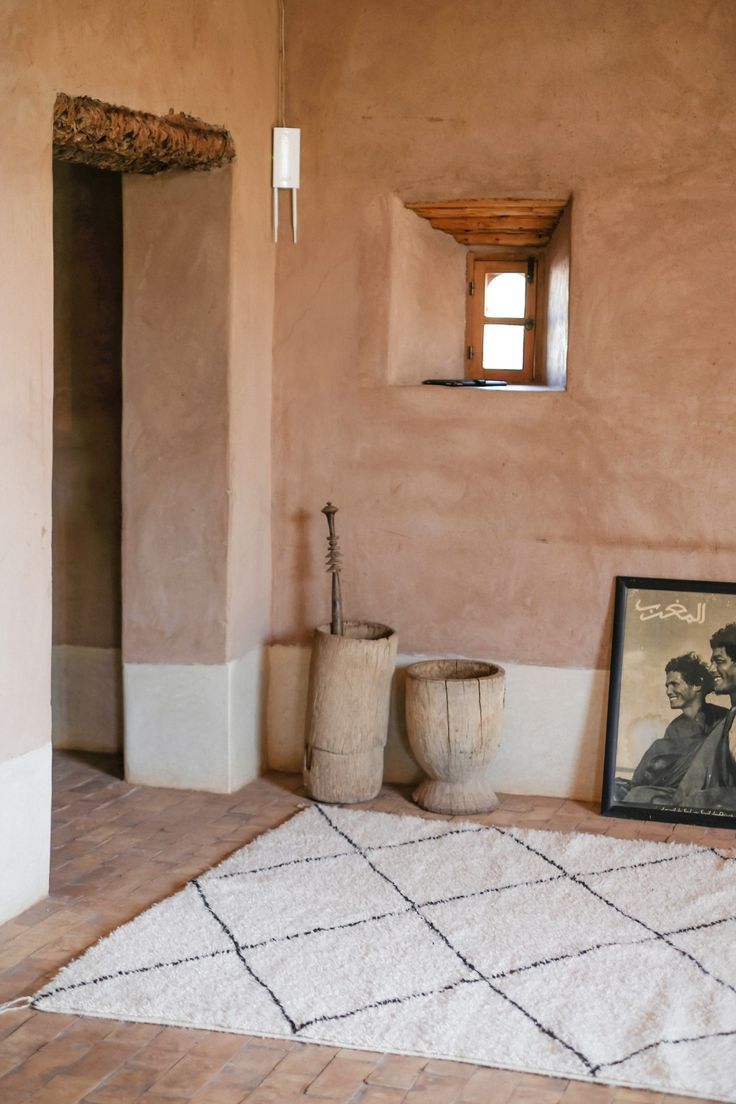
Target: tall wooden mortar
347,712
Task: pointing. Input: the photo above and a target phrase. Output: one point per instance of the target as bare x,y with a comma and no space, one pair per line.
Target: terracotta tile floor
118,848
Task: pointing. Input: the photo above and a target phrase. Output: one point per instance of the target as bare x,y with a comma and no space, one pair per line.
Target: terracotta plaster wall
215,59
494,523
557,303
427,297
175,429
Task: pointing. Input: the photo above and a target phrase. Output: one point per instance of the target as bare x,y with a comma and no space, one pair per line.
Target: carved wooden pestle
333,566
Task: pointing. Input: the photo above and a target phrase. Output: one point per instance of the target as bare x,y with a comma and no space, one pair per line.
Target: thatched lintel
117,138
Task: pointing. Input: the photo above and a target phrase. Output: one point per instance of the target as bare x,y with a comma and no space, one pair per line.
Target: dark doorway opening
88,310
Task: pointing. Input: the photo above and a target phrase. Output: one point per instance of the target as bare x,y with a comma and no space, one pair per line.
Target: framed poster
670,738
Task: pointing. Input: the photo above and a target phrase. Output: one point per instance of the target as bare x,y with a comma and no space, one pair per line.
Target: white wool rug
577,956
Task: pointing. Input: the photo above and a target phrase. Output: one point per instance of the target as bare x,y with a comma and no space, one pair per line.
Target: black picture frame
655,769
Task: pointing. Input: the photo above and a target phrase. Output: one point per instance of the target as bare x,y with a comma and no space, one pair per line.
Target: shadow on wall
301,558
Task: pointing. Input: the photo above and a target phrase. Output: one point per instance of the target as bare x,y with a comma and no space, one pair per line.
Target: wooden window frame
477,271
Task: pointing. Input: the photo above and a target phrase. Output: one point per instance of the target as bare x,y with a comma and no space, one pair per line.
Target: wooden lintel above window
517,222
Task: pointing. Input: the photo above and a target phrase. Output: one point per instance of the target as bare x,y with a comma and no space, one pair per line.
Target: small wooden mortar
454,717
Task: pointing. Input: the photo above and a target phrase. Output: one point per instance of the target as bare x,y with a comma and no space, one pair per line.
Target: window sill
527,387
524,387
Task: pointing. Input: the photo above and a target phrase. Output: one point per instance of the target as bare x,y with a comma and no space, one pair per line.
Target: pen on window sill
466,382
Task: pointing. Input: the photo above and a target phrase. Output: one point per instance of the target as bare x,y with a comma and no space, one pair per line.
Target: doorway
141,502
87,707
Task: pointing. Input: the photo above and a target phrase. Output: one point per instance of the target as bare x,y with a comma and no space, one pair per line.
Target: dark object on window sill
466,382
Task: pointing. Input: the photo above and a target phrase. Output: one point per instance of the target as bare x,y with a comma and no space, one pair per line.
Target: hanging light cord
282,61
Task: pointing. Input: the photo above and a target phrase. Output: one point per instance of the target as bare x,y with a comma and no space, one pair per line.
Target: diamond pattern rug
577,956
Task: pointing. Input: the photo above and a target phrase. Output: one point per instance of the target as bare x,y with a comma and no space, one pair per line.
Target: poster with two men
671,737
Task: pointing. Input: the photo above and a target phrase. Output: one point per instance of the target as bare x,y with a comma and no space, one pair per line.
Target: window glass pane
505,295
503,348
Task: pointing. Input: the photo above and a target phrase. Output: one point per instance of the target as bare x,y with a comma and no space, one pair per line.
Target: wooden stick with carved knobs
334,561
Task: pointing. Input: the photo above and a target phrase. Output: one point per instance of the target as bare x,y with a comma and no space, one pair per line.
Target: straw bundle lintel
123,140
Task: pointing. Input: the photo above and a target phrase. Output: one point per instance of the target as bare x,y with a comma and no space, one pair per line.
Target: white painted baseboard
25,830
194,726
87,698
554,726
246,700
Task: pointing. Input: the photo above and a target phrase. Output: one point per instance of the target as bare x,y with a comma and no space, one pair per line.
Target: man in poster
665,764
710,780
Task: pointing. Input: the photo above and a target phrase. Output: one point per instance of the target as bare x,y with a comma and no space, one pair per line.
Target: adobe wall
493,524
215,61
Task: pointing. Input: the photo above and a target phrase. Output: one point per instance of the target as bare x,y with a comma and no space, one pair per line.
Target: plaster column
180,692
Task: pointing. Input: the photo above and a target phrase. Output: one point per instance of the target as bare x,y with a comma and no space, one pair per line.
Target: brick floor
118,848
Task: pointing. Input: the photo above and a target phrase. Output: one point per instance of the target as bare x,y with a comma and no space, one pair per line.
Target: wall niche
431,279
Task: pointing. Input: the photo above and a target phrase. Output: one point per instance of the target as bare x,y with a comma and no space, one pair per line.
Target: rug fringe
16,1005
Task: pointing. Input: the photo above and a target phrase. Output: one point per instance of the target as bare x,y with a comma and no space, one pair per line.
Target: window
501,319
516,260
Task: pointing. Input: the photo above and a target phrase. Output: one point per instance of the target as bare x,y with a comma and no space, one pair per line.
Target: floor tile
116,849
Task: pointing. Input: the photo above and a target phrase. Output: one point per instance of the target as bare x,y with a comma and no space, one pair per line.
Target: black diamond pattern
395,905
